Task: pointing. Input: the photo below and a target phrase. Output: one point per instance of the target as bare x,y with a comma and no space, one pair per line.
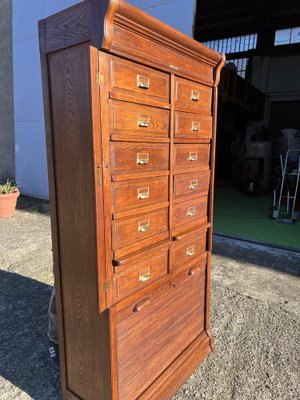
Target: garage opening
258,135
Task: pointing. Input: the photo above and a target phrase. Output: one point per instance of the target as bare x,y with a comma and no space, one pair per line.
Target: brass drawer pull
191,212
142,158
144,226
143,82
195,95
195,126
143,303
143,193
143,121
190,251
193,156
194,184
145,275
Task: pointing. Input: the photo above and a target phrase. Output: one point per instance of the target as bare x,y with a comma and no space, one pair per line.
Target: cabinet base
171,380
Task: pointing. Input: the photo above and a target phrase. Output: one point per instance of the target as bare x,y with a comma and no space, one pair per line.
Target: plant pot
8,204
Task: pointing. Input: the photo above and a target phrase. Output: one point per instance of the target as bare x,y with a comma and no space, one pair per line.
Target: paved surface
255,318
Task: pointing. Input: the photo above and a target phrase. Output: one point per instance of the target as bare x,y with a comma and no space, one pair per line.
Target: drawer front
142,122
191,156
190,212
138,271
188,247
192,97
138,158
138,83
192,126
194,183
126,231
139,193
150,334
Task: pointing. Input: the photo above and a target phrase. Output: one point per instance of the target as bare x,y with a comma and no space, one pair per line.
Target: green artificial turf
247,217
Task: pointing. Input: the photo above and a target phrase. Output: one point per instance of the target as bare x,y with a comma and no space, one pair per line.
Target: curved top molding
124,14
118,27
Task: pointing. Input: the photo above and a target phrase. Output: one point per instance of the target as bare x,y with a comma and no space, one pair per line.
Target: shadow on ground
287,262
24,359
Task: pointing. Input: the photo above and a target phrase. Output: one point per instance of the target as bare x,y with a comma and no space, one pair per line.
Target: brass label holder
143,82
145,275
142,158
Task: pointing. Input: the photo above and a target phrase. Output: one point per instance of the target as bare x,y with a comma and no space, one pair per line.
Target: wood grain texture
130,230
138,158
189,213
137,83
170,381
193,184
135,272
192,97
53,202
142,341
188,247
138,193
130,120
192,126
68,27
217,73
191,157
87,376
98,178
131,133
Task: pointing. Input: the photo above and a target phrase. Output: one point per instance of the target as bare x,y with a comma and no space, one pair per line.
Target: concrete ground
255,318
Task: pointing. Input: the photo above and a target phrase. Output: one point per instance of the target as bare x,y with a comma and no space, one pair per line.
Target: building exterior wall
31,166
7,145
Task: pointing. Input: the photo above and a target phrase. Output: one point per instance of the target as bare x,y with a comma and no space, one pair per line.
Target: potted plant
9,193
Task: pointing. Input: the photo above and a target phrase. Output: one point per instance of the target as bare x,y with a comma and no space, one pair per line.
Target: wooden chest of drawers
130,112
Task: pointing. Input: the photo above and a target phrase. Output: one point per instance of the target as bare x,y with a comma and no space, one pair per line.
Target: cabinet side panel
86,331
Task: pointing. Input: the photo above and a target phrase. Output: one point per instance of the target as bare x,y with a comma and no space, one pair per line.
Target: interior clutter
258,136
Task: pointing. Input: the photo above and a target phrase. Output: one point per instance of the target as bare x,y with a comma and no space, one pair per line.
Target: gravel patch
255,317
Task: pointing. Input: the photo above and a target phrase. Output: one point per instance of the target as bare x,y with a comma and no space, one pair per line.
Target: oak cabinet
130,114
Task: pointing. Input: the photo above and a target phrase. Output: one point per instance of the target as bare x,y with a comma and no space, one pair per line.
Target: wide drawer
134,82
126,231
151,333
135,272
192,126
130,158
192,97
191,184
137,193
188,246
138,122
191,156
190,212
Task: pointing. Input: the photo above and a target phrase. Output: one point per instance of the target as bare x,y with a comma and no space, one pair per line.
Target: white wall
31,166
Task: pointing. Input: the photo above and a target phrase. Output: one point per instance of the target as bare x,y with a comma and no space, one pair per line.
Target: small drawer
191,156
134,273
191,184
190,212
138,122
188,246
192,97
136,83
126,231
192,126
151,332
131,158
139,193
